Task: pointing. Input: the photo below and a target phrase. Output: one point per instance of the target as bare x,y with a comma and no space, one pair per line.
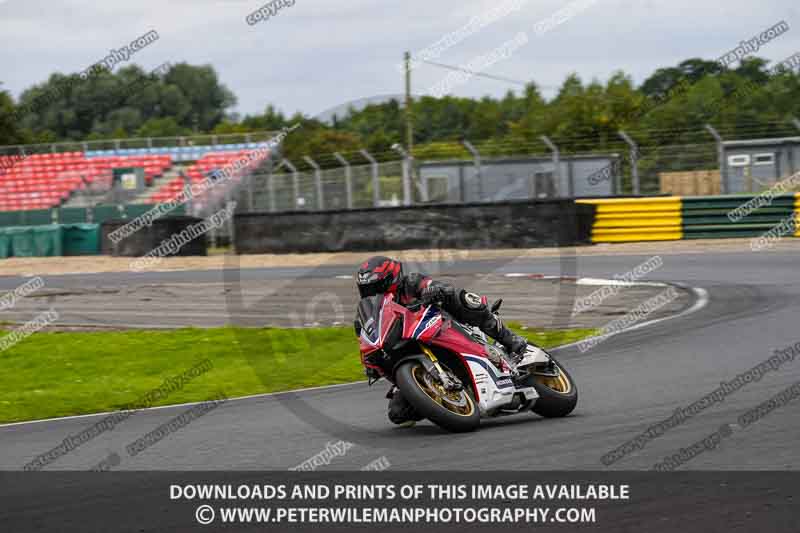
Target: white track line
702,301
618,283
589,281
238,398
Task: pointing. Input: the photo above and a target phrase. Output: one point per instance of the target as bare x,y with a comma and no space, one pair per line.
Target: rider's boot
401,412
513,343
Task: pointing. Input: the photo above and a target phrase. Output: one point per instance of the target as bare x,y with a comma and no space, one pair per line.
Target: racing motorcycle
442,366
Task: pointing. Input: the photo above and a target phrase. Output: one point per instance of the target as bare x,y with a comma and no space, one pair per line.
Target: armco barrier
145,240
518,224
797,214
636,219
675,217
706,217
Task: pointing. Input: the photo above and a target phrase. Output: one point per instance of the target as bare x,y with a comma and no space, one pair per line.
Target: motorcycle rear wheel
454,411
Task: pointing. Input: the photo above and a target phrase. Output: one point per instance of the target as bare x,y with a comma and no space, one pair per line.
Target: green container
47,240
21,238
81,239
5,244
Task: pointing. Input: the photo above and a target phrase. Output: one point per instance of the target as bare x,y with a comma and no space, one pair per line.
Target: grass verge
68,373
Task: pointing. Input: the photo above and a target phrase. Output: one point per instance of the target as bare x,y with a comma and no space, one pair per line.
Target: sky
317,55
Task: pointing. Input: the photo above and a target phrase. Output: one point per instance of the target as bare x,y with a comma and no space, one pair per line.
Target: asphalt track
626,383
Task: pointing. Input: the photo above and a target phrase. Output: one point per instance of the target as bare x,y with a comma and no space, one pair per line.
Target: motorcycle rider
381,274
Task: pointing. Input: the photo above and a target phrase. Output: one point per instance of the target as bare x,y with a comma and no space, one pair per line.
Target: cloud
321,53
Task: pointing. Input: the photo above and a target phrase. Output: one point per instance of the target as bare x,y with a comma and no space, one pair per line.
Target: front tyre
558,394
452,410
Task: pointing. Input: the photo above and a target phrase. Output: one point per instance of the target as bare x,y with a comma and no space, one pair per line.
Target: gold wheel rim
558,383
457,402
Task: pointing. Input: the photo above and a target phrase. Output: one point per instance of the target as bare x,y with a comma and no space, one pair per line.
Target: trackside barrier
697,217
706,217
49,240
510,224
78,215
636,219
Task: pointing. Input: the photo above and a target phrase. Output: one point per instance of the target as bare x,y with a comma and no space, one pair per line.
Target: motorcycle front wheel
558,394
451,410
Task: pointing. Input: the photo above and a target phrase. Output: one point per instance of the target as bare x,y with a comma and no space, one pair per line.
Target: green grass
68,373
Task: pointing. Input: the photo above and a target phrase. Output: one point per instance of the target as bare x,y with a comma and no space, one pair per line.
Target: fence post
317,180
406,173
723,163
295,181
250,179
634,161
376,182
348,178
271,190
476,156
556,163
792,162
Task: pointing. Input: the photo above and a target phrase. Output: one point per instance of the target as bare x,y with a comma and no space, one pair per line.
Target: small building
757,163
520,178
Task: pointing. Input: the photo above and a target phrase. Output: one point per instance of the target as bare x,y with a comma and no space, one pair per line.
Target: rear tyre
558,395
453,411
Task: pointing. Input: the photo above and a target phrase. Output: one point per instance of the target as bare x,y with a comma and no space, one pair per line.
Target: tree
162,127
124,101
10,132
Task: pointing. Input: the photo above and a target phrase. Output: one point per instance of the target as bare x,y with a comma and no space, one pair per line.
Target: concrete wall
499,225
149,238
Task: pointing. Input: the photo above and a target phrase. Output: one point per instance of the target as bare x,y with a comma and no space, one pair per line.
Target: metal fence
284,188
138,143
407,181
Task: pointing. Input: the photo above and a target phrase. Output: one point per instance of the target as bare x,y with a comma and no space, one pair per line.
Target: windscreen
369,310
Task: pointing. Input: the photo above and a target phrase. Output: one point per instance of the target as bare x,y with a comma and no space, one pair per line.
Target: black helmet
378,275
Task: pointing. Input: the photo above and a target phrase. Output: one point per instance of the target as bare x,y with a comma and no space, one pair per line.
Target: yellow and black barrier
636,219
698,217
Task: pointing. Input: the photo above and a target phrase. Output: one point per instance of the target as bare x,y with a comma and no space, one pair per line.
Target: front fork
438,372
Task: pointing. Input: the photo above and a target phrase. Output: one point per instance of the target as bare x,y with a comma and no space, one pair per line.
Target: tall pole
409,122
634,160
723,164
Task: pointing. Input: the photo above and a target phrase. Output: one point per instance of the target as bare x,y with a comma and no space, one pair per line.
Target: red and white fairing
493,387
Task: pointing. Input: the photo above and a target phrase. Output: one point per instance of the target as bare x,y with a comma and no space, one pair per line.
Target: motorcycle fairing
493,388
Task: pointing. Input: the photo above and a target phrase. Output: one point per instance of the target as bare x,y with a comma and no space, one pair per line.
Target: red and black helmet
378,275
